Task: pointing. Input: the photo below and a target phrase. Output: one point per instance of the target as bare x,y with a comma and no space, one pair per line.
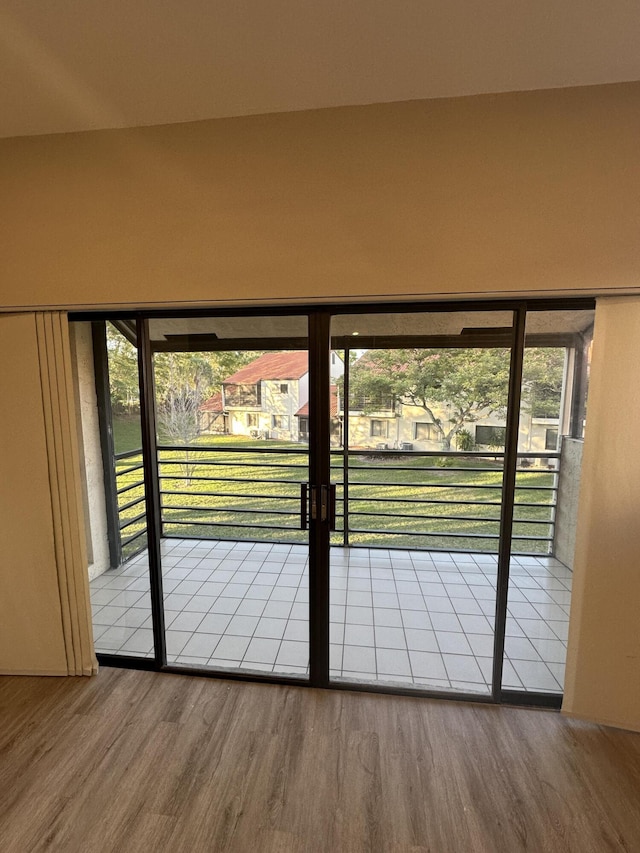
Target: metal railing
451,502
130,495
432,500
232,493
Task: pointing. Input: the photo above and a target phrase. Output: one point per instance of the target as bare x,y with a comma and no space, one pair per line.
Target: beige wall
603,665
519,193
528,192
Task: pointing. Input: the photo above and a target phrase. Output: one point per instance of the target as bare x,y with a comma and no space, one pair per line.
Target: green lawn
248,486
126,433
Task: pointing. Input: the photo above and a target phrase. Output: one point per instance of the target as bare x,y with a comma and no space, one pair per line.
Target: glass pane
417,458
551,427
233,432
120,595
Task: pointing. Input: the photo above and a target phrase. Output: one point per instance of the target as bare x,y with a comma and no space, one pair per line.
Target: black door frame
319,343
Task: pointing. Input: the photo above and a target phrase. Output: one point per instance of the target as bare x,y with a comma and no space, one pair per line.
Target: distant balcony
372,403
242,396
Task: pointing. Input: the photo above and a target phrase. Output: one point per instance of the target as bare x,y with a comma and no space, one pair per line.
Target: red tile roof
272,365
303,411
213,404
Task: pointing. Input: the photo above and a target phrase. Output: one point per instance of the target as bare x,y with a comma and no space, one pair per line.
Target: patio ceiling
402,323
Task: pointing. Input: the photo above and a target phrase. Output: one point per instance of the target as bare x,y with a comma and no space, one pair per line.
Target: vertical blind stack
58,404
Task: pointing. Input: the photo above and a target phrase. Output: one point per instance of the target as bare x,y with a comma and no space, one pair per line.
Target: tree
542,379
184,380
468,383
123,372
204,371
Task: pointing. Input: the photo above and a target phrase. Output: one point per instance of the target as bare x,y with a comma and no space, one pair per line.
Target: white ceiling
70,65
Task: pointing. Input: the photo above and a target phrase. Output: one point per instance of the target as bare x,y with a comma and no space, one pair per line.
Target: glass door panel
233,431
120,590
417,460
551,428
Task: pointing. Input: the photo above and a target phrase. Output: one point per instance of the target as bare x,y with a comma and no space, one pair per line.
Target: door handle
317,503
304,505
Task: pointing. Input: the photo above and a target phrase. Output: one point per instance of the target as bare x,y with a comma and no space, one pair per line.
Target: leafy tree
123,372
468,383
542,378
174,372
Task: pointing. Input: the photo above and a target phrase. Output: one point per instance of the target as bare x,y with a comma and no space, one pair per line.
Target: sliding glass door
375,498
419,461
232,448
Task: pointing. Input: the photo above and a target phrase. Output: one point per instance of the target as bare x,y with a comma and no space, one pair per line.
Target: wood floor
138,761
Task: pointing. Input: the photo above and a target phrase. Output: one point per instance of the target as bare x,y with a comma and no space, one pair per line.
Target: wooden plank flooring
138,761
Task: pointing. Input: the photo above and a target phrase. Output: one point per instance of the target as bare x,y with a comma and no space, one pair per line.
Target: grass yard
247,490
127,433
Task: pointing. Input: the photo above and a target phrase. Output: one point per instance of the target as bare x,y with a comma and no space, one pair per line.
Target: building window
551,439
284,388
491,436
380,429
280,421
425,432
252,419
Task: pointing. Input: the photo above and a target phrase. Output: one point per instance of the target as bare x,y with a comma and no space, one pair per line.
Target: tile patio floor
403,617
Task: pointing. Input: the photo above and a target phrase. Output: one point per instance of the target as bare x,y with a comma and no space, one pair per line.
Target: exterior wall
402,429
564,544
212,422
238,421
274,402
90,450
284,405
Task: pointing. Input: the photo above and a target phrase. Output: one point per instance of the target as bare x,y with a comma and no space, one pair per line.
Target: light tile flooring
403,617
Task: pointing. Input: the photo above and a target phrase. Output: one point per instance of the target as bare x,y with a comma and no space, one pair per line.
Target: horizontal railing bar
353,498
450,486
355,547
129,470
461,518
126,454
229,524
229,479
232,509
541,472
427,517
443,501
425,533
448,535
131,503
128,488
135,536
203,462
473,454
209,449
521,538
129,522
445,470
548,522
252,497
